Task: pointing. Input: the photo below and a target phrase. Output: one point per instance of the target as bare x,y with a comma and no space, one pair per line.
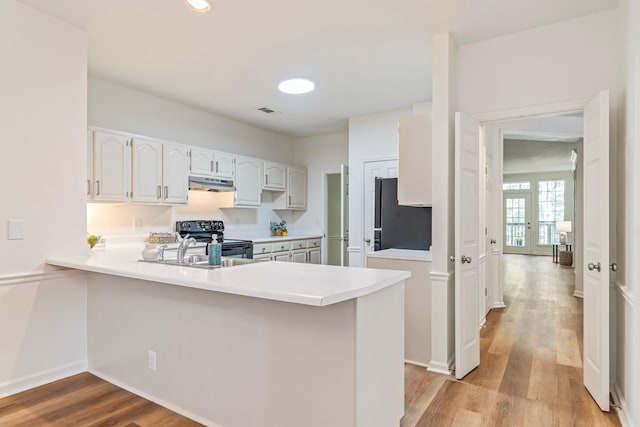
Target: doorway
336,217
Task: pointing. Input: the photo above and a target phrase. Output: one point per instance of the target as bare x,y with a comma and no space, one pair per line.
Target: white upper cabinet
201,161
295,196
146,171
111,167
248,182
175,173
89,165
274,176
159,172
297,188
224,165
414,164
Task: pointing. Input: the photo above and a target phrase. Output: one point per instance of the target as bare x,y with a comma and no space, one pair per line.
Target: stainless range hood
203,183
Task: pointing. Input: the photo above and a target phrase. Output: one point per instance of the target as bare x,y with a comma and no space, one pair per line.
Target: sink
202,261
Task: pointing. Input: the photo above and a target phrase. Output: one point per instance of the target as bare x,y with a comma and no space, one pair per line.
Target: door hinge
485,292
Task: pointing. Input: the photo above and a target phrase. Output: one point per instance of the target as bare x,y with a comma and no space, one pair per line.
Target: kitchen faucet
182,248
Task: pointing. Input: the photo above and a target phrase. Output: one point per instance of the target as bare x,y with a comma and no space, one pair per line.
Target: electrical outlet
137,224
16,229
152,360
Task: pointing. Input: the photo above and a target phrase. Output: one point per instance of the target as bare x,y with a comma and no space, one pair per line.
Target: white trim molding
27,382
537,110
621,407
624,291
578,294
37,276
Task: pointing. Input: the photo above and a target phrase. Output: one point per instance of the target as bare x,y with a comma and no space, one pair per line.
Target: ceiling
365,56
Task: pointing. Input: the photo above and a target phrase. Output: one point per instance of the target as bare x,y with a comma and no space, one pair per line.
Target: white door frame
497,286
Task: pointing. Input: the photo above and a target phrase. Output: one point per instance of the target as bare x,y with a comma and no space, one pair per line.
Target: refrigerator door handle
377,229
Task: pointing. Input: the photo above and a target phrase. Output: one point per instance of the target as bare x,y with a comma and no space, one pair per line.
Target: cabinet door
299,256
296,188
274,175
284,256
263,257
175,177
112,167
89,165
146,170
201,161
414,160
248,182
314,256
223,165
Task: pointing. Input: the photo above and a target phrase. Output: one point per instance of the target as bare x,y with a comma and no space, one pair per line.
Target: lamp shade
563,226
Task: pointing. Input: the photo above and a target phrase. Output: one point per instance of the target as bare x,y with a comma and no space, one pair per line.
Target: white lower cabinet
296,250
299,255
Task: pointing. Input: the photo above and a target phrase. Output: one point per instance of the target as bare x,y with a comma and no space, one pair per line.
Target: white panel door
373,170
112,167
517,223
467,244
596,249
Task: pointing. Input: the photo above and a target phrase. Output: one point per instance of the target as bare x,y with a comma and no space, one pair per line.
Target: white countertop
283,239
402,254
309,284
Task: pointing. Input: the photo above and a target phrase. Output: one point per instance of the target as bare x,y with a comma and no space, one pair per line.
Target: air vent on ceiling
267,110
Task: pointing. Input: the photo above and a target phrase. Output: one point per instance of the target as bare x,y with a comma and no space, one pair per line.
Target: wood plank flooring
84,400
530,372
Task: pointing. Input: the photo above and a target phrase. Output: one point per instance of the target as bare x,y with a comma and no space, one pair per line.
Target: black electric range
203,231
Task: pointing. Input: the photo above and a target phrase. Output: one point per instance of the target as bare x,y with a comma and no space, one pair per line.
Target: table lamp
563,227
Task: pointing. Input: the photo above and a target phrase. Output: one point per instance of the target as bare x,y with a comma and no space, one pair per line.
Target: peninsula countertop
402,254
308,284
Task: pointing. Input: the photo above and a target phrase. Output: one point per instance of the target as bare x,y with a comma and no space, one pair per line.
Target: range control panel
199,226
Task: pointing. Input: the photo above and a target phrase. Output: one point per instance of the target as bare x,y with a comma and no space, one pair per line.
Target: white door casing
344,215
596,249
467,243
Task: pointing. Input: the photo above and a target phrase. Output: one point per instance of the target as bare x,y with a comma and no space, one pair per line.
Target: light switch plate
16,229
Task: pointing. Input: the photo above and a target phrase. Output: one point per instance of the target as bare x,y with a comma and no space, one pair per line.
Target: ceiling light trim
297,86
199,6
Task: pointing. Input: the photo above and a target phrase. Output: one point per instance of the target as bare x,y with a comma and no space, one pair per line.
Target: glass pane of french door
517,223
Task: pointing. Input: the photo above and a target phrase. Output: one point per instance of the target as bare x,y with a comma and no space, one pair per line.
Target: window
516,186
550,210
515,231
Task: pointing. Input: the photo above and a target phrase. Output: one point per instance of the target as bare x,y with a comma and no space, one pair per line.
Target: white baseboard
440,370
499,304
413,362
621,408
154,399
27,382
578,294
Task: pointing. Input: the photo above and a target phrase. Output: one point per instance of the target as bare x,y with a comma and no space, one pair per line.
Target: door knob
367,241
452,258
591,266
466,259
493,241
613,267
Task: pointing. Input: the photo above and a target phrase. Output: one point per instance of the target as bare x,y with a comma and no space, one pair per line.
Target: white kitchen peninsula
267,344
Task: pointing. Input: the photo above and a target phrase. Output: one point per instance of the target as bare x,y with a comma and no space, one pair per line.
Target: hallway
530,371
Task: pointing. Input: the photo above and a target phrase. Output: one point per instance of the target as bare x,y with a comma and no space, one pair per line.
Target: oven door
237,249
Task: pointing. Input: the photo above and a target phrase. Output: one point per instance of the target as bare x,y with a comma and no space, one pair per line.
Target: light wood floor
84,400
530,371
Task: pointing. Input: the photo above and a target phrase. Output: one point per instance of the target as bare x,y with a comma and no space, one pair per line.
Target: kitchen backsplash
129,219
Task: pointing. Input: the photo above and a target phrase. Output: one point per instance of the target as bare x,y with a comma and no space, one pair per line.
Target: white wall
43,127
320,154
117,107
371,137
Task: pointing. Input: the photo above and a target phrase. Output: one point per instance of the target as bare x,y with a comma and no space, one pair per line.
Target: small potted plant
278,228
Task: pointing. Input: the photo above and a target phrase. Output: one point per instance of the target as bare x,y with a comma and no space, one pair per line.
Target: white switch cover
152,360
16,229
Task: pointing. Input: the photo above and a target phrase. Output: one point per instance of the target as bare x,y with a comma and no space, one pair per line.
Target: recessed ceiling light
199,5
296,86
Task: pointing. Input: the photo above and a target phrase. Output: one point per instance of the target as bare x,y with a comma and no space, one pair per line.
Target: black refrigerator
395,226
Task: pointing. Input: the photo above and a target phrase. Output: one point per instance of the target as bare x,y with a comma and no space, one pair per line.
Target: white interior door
373,170
596,249
517,223
344,215
467,244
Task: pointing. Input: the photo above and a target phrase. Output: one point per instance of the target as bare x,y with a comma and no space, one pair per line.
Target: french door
517,223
